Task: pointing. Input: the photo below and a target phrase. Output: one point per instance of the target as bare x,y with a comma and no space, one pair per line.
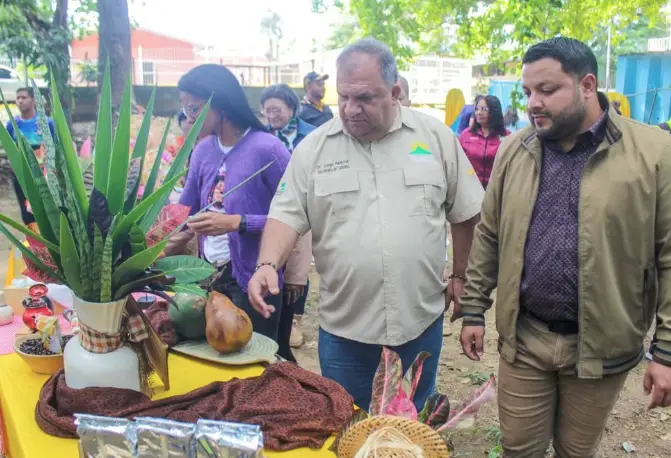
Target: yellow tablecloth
20,388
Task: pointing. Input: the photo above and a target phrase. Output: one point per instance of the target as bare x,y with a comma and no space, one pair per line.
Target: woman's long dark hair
227,95
496,125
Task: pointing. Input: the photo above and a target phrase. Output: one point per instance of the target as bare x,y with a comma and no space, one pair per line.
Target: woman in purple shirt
236,147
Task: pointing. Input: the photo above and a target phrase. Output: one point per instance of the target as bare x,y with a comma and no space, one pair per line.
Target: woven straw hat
418,433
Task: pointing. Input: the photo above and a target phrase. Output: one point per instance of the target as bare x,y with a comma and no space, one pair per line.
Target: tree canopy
498,29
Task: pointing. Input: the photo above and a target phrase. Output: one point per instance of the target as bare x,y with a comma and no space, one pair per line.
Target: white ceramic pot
6,312
117,369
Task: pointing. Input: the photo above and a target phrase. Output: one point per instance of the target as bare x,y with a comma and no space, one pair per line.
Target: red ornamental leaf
464,415
386,383
32,271
402,406
170,218
413,375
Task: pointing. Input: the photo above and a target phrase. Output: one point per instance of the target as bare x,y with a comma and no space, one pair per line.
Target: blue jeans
353,364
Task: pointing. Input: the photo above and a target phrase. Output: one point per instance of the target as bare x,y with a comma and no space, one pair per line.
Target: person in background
666,126
616,106
280,105
511,119
236,147
362,183
466,117
482,140
313,111
28,124
577,288
404,97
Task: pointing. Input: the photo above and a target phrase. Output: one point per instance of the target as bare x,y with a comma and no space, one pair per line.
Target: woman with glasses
280,105
229,228
482,140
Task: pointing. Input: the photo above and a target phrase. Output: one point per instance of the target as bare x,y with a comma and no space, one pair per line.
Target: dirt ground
649,432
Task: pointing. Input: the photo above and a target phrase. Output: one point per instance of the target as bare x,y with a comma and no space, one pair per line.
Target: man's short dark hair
282,92
29,90
575,57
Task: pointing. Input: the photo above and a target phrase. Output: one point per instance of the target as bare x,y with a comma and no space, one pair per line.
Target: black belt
561,327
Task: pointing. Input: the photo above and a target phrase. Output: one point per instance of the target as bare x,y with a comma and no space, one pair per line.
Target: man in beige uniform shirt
375,186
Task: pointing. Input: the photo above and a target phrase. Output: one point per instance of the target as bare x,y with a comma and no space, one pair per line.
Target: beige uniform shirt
377,213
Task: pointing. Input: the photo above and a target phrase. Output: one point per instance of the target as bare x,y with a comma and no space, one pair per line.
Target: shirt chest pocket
424,189
339,192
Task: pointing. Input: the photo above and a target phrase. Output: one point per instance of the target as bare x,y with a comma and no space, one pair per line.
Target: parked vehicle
11,80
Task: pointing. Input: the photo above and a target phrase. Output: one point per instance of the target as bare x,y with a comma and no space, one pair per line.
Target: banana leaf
185,269
103,148
153,175
136,265
65,140
27,232
116,185
70,258
176,168
139,152
29,254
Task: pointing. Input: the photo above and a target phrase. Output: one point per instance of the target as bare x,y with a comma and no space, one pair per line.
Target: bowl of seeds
41,360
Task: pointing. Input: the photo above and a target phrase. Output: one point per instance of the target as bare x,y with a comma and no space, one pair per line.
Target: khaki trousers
540,398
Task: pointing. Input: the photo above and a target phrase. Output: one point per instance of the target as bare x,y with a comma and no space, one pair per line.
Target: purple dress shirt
549,287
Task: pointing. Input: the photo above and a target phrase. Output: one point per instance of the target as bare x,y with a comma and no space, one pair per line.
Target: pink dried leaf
386,383
413,374
464,415
402,406
170,218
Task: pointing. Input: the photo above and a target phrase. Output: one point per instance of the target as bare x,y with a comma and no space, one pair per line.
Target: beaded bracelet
460,277
261,264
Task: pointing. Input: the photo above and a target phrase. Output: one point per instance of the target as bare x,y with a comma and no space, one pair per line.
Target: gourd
227,328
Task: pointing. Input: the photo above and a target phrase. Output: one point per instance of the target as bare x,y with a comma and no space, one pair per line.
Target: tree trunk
115,48
62,69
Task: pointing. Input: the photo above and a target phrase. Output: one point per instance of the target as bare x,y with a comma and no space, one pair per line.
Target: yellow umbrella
454,103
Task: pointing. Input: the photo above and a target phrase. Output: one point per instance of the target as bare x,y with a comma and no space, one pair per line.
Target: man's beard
565,124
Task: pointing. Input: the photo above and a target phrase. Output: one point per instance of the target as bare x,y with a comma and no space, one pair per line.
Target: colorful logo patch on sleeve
281,188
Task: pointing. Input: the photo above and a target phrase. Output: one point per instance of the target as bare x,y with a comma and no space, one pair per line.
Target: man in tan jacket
575,232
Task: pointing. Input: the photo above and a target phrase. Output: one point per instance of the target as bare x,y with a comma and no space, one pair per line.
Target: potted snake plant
93,238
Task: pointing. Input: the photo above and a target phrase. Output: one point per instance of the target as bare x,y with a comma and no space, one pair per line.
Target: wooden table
20,388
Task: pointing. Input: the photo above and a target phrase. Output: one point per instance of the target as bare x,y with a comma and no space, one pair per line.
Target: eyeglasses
272,111
192,110
483,109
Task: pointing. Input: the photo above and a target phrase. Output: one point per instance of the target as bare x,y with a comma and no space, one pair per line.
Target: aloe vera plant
93,239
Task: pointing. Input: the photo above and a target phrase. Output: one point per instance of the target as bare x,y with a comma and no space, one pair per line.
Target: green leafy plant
94,240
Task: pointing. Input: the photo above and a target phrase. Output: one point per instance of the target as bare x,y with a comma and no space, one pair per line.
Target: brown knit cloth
294,407
157,314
